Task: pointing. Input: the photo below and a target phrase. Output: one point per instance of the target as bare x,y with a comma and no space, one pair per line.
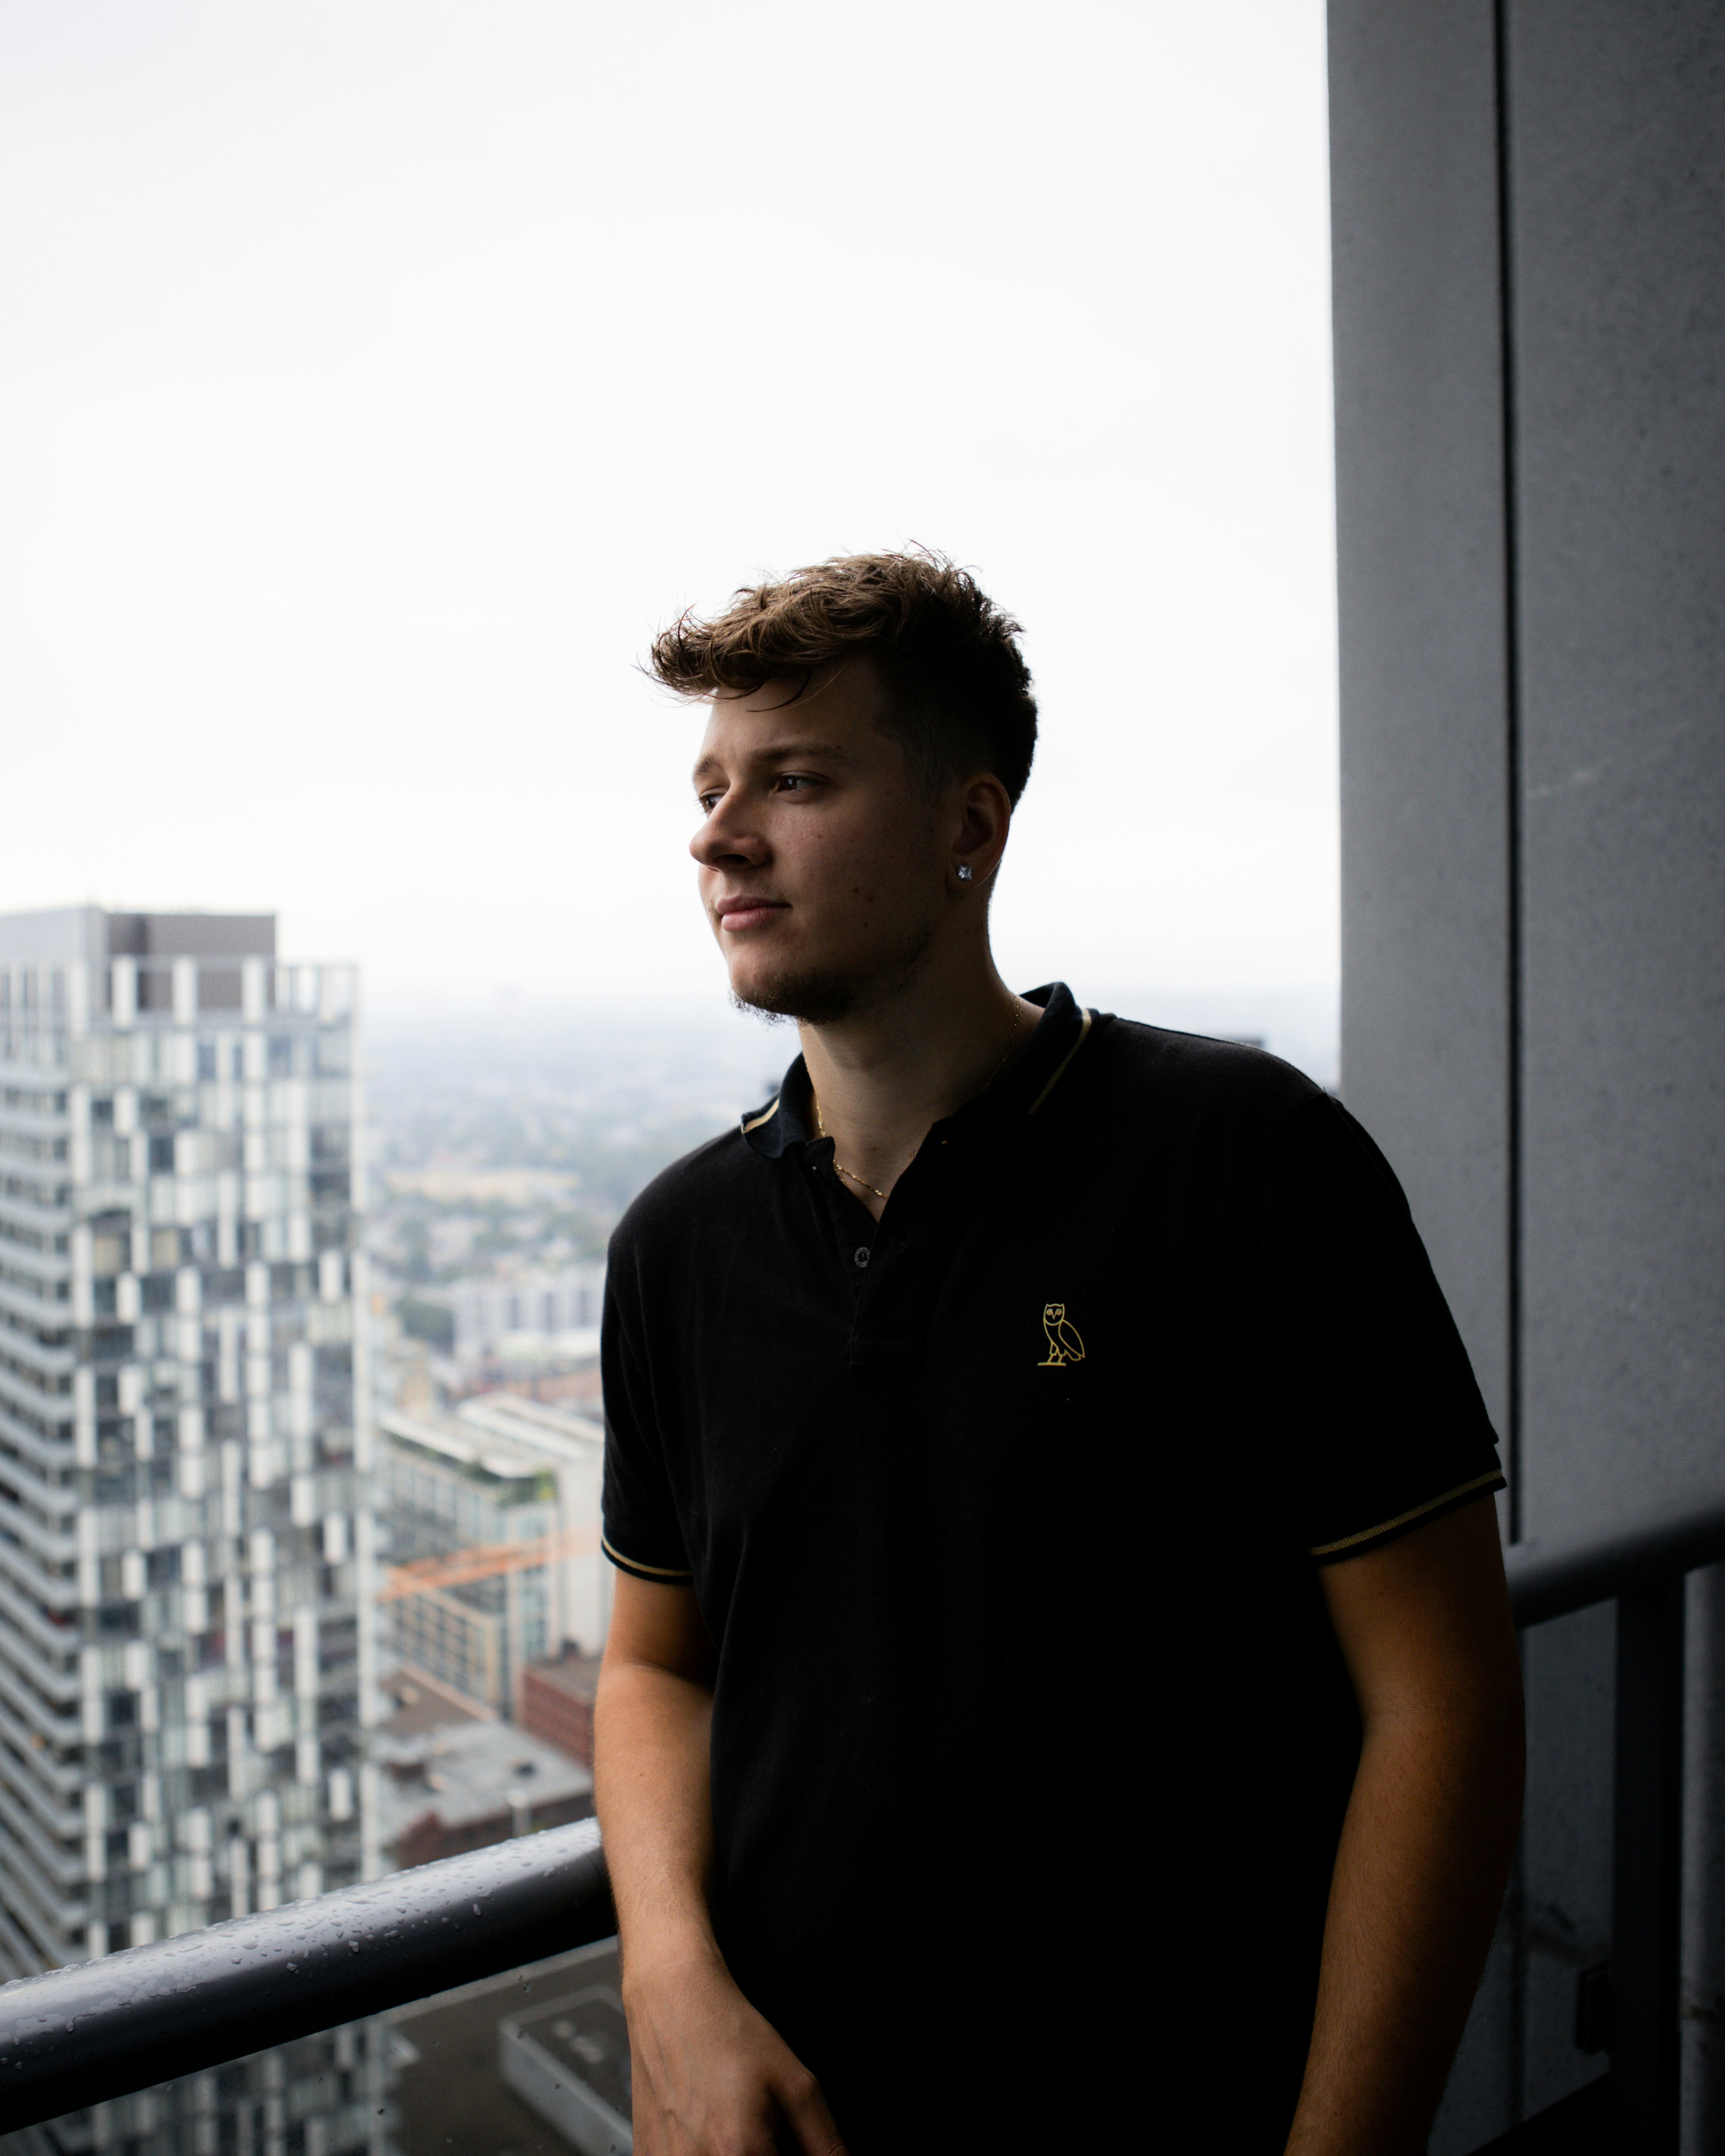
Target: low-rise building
453,1777
555,1700
493,1512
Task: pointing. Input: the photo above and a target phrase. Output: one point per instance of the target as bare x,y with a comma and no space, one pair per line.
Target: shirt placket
890,1290
855,1233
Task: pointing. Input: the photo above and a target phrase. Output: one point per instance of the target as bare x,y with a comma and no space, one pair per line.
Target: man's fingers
805,2107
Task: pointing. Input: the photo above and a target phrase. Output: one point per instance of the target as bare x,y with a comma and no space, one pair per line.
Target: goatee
802,999
813,997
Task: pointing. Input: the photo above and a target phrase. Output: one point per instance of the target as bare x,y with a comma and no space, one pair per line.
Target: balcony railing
78,2036
93,2031
1641,1567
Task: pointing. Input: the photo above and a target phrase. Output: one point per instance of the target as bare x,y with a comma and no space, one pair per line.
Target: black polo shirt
1031,1740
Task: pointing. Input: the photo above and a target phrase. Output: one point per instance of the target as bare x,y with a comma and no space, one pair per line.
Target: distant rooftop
575,1674
534,1423
498,1435
445,1760
62,933
469,1452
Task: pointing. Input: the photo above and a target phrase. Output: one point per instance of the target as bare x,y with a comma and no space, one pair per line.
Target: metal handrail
1641,1566
1643,1552
93,2029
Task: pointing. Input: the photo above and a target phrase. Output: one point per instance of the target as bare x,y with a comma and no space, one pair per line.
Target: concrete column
1529,226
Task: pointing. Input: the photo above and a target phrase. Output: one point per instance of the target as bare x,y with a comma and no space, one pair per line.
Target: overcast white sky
378,374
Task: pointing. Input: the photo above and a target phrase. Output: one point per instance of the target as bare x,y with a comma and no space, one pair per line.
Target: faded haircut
960,691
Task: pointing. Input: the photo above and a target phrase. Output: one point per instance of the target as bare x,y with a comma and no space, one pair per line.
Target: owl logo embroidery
1064,1344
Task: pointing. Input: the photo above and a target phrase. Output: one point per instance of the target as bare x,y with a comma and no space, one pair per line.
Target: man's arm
711,2076
1424,1628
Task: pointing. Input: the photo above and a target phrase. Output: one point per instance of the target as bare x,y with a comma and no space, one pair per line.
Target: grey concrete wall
1618,135
1419,535
1531,473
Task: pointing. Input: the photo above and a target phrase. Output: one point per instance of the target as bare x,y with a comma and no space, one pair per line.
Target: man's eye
705,803
795,778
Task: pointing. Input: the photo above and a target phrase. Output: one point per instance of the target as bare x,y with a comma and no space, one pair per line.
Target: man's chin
808,997
828,994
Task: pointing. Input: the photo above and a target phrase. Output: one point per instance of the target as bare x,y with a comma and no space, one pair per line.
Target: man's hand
1424,1628
712,2077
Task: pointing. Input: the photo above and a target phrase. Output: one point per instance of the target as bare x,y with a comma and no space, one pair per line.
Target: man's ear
984,821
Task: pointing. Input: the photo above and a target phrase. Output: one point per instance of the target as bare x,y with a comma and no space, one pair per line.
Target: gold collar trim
1060,1067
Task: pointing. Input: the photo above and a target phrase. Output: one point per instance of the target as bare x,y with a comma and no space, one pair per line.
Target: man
1061,1691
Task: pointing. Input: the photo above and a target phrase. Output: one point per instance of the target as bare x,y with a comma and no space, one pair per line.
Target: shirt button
862,1254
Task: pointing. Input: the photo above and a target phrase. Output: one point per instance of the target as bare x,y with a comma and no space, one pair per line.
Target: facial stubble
828,995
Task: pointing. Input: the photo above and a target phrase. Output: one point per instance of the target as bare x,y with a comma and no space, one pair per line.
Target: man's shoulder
1234,1080
709,1184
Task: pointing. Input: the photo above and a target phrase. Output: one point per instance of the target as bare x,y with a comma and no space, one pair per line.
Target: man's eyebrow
785,751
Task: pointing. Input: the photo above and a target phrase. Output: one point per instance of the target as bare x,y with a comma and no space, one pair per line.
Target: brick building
555,1701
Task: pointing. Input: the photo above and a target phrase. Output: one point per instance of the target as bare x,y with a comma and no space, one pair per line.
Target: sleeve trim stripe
1061,1067
646,1571
1492,1479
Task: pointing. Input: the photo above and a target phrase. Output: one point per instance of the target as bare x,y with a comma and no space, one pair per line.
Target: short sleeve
643,1534
1373,1413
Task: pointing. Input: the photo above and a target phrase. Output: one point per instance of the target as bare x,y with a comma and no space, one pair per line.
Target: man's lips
736,914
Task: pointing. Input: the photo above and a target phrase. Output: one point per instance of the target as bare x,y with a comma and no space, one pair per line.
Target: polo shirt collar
1020,1089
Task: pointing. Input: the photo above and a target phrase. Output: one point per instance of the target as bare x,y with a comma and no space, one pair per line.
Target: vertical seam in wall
1512,772
1516,2062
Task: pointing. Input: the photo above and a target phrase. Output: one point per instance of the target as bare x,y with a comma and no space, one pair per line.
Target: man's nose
724,841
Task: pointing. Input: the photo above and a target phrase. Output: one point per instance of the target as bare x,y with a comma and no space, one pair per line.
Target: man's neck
884,1076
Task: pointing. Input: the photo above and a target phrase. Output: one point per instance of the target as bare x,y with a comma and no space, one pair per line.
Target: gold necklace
873,1190
849,1174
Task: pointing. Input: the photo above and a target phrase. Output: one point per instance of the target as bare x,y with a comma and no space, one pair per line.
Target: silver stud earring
965,872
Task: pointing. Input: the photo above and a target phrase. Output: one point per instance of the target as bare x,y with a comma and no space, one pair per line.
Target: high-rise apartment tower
186,1640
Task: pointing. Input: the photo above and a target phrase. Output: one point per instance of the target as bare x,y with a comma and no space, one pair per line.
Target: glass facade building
186,1656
